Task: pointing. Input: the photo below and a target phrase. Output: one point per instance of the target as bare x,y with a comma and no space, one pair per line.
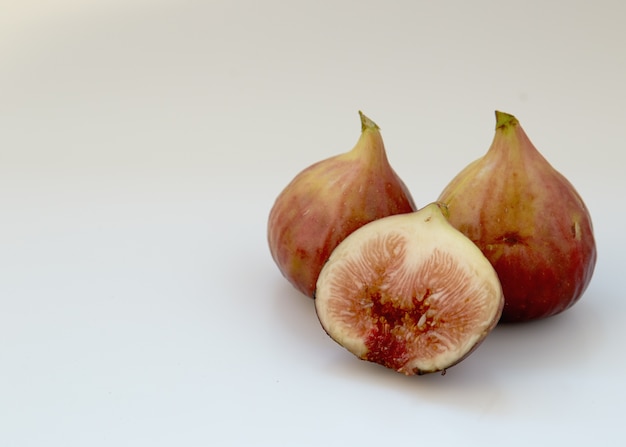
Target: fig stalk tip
367,123
504,120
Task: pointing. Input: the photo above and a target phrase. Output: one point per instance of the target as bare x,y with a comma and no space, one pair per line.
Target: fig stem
504,120
443,207
367,123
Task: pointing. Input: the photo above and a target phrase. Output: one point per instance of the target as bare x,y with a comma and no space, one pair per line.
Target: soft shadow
294,311
512,357
557,343
467,386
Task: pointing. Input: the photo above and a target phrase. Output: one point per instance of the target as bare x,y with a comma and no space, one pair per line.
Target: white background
142,144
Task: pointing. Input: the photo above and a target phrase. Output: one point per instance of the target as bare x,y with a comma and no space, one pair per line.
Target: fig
528,220
330,199
409,292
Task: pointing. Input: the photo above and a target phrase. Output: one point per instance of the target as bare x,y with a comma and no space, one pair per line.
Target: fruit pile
508,240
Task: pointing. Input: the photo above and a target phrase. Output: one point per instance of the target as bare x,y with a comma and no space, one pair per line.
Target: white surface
141,147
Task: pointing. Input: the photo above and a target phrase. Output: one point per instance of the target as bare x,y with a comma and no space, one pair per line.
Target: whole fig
528,220
329,200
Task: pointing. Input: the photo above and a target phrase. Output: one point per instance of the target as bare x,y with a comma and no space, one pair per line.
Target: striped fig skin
528,220
329,200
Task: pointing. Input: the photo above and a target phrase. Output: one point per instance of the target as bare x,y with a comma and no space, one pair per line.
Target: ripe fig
329,200
409,292
528,220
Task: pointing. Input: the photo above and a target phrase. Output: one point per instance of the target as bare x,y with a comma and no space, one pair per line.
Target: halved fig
409,292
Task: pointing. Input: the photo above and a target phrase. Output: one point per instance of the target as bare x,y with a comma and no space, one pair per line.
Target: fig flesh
329,200
409,292
528,220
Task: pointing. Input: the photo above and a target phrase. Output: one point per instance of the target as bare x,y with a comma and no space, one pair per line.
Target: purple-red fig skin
529,221
329,200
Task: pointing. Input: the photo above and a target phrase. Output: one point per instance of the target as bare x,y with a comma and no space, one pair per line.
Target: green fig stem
443,207
367,123
437,210
505,120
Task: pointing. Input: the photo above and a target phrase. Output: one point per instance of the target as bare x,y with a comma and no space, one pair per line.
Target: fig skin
528,220
330,199
409,292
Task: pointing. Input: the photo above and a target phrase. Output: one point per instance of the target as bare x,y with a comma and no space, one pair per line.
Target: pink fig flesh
327,201
528,220
409,292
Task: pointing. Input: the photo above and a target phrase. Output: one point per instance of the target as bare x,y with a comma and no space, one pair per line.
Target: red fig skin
329,200
528,220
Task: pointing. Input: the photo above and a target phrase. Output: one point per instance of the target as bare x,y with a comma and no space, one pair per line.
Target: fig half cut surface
409,292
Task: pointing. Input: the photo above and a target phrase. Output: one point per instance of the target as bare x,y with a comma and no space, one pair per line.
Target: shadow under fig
513,354
294,311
